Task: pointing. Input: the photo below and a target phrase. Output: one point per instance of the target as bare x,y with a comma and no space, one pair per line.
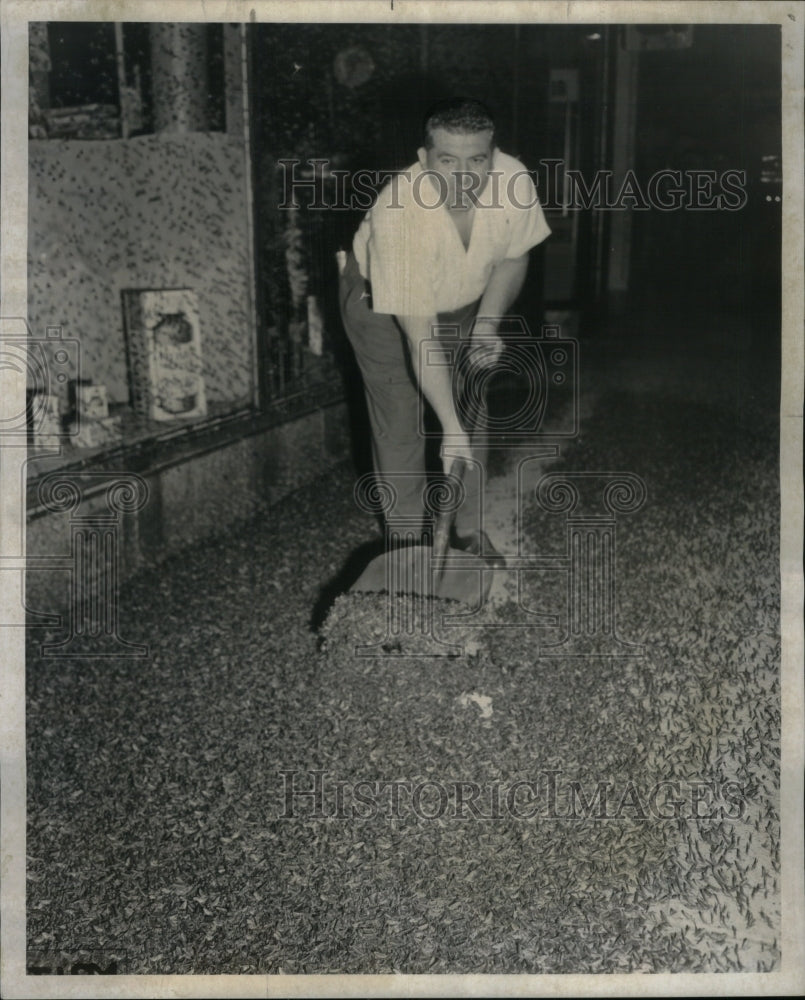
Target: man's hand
486,345
455,446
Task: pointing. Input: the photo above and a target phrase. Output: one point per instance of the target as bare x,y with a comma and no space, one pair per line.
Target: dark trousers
394,401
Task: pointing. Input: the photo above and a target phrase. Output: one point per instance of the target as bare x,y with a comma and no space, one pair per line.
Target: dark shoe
477,544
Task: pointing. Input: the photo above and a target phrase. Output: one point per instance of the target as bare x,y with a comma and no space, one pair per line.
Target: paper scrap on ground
483,701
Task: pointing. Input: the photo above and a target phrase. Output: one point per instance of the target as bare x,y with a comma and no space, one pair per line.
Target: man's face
464,160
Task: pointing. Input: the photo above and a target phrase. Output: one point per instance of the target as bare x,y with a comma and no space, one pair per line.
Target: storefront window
140,273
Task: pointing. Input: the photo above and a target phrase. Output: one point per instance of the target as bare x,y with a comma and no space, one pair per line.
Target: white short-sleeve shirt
410,251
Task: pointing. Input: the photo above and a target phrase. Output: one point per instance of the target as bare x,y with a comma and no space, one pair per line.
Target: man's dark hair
459,115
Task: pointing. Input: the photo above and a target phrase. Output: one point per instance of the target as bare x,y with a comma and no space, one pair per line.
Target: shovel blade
412,570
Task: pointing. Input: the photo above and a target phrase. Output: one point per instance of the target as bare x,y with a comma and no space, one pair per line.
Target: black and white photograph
401,565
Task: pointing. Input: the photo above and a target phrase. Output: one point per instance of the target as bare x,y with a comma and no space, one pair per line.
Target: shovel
435,570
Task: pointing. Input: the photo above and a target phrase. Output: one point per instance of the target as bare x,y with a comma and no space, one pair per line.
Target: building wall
192,500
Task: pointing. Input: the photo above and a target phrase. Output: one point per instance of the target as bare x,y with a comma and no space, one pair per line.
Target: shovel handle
444,522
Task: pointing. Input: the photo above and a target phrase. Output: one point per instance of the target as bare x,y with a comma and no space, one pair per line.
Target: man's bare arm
435,383
503,288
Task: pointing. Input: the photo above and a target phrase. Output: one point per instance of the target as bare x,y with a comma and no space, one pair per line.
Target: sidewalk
714,364
158,826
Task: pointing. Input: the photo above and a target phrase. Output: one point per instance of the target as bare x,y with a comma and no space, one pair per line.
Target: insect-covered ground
258,796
